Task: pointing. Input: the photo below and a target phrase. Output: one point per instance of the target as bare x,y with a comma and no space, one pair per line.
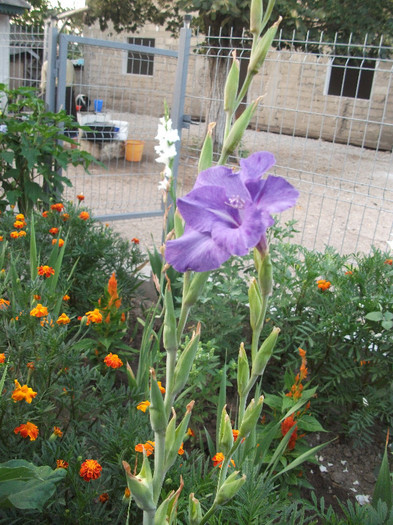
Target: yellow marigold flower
27,430
39,311
19,224
65,216
57,432
61,242
94,316
104,497
47,271
14,235
90,469
60,463
113,361
20,217
57,207
23,393
66,298
323,284
2,358
4,304
80,197
84,215
54,231
143,405
63,319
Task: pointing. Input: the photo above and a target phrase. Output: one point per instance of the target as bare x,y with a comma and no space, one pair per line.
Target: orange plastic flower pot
134,150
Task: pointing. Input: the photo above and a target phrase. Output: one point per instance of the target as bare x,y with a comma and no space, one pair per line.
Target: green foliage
31,151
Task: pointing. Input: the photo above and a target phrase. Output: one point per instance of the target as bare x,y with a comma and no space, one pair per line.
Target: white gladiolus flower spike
166,150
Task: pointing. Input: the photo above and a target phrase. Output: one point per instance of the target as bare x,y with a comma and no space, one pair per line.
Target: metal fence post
179,93
51,73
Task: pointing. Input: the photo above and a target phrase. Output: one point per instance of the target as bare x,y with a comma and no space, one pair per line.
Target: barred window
140,63
351,78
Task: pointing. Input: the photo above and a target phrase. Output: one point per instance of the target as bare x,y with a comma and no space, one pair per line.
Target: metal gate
121,88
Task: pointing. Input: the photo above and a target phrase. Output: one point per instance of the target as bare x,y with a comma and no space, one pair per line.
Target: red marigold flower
84,215
63,319
60,463
39,311
57,432
103,497
54,231
2,358
135,240
90,469
80,197
59,207
219,458
45,270
45,214
388,261
23,393
113,361
4,304
65,216
66,298
143,405
61,242
27,430
94,316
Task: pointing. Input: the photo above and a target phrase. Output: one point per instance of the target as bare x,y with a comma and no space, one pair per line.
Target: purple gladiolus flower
227,213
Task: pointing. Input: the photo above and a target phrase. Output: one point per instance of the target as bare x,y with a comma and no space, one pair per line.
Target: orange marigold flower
190,432
286,426
219,458
94,316
388,261
63,319
113,361
181,450
22,233
60,463
84,215
348,272
302,352
14,235
45,214
103,497
90,469
80,197
143,405
57,432
4,304
323,284
19,224
23,393
135,240
66,298
57,207
123,317
20,217
235,434
127,493
47,271
162,389
1,238
30,365
37,297
61,242
27,430
148,447
54,231
65,216
39,311
2,358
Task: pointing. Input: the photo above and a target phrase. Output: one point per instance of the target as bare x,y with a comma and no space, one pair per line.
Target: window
140,63
351,77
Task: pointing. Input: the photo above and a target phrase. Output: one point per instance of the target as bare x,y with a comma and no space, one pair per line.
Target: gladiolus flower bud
235,135
195,288
256,13
264,353
225,440
156,409
185,361
174,438
232,85
229,488
141,485
257,310
194,510
169,333
259,53
243,370
264,267
251,417
206,155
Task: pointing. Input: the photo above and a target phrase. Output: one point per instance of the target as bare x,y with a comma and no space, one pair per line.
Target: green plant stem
148,517
185,310
170,368
159,459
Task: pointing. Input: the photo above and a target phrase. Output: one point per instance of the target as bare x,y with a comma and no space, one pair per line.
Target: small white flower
362,499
